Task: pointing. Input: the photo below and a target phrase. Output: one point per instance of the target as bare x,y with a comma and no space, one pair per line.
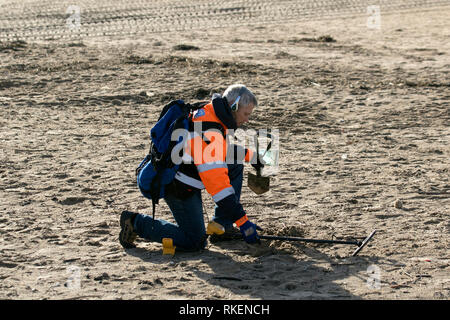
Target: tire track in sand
49,20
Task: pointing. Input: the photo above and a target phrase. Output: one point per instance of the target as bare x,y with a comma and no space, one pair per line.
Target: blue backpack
157,170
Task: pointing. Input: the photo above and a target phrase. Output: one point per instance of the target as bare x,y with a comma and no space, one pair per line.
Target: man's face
242,115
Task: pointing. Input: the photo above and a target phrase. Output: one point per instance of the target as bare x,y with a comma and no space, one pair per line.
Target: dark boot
127,235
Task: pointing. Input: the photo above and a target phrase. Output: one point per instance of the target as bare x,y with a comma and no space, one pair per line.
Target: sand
364,123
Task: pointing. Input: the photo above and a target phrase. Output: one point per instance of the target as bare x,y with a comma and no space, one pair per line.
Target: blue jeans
189,232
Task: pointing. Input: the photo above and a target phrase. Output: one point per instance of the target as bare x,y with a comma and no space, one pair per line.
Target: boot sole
126,236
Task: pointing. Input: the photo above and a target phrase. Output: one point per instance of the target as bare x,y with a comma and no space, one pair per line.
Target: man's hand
248,230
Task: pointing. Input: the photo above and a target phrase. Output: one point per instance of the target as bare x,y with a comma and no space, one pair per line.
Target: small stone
103,276
398,204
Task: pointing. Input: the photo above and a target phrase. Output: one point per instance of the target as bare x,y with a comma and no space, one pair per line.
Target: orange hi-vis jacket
206,154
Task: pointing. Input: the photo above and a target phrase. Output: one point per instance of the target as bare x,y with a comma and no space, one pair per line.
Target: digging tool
257,183
360,244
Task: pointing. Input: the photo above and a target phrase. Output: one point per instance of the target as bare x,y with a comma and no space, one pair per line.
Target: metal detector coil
363,244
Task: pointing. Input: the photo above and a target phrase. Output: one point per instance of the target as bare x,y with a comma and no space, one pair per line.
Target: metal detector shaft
356,243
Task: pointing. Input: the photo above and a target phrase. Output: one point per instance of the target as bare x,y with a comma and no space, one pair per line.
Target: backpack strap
197,105
208,125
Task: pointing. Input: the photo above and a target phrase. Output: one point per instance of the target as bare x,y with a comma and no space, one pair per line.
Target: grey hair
247,97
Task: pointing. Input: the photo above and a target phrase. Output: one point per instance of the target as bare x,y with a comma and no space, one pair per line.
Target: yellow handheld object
168,247
215,228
